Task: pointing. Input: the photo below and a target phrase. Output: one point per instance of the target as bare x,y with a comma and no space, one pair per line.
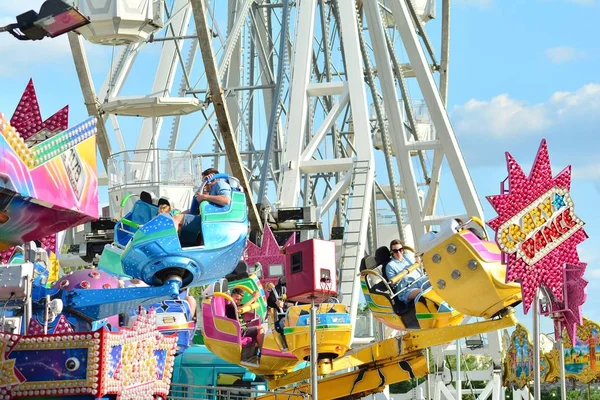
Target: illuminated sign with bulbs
540,227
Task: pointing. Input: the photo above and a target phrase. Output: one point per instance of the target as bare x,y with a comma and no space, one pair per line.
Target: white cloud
505,117
563,54
21,57
25,56
14,8
587,172
589,254
500,116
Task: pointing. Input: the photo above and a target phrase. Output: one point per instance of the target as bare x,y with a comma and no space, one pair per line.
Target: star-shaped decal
9,375
559,201
537,237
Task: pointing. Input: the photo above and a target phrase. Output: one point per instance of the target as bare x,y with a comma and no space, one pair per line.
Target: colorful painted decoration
518,363
9,375
134,363
537,228
519,359
48,184
582,357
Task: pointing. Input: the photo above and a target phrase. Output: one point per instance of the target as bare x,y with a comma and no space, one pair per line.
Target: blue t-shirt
220,187
394,267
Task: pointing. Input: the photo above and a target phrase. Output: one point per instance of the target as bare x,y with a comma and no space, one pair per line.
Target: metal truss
314,89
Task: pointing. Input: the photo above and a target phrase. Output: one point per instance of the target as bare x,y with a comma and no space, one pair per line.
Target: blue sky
521,70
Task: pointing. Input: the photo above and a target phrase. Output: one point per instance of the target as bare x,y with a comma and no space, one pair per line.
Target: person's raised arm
220,199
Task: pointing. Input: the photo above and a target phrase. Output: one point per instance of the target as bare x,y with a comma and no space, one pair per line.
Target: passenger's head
237,294
164,209
208,172
397,249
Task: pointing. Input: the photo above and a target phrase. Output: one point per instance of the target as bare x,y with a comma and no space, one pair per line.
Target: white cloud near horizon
23,57
505,117
564,54
499,116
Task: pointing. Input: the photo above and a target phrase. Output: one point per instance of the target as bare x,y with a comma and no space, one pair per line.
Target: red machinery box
310,271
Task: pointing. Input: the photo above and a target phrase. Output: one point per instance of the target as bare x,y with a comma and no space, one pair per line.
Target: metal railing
150,167
197,392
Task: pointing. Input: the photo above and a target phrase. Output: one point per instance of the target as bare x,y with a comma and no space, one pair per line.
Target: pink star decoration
570,309
27,118
524,223
269,253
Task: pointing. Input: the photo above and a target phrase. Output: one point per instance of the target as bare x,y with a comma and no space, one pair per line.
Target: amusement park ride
113,330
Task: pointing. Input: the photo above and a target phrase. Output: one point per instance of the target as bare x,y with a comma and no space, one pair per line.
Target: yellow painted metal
479,290
332,341
270,364
363,381
398,349
427,309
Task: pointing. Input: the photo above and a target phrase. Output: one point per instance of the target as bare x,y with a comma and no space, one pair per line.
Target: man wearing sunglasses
413,283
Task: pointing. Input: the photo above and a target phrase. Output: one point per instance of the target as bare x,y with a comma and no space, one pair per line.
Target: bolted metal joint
472,265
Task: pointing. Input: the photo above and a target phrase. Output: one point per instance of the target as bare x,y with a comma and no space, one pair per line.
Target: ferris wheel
329,113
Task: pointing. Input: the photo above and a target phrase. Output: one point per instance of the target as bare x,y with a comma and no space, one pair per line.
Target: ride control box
15,281
310,271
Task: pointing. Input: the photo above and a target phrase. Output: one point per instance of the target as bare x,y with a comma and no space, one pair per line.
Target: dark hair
210,171
395,241
237,290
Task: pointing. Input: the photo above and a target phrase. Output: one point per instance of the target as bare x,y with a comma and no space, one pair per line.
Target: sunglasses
396,250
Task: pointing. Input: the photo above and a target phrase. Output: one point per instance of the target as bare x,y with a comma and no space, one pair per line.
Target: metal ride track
383,363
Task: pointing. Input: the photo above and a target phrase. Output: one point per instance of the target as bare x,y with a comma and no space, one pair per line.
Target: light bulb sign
541,227
536,227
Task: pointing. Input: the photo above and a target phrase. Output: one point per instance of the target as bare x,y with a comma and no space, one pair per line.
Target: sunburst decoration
9,374
536,228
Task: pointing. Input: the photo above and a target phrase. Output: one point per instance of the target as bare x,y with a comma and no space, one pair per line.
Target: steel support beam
439,116
89,95
219,102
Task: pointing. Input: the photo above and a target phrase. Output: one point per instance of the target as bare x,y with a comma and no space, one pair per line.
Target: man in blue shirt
413,283
217,192
189,223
